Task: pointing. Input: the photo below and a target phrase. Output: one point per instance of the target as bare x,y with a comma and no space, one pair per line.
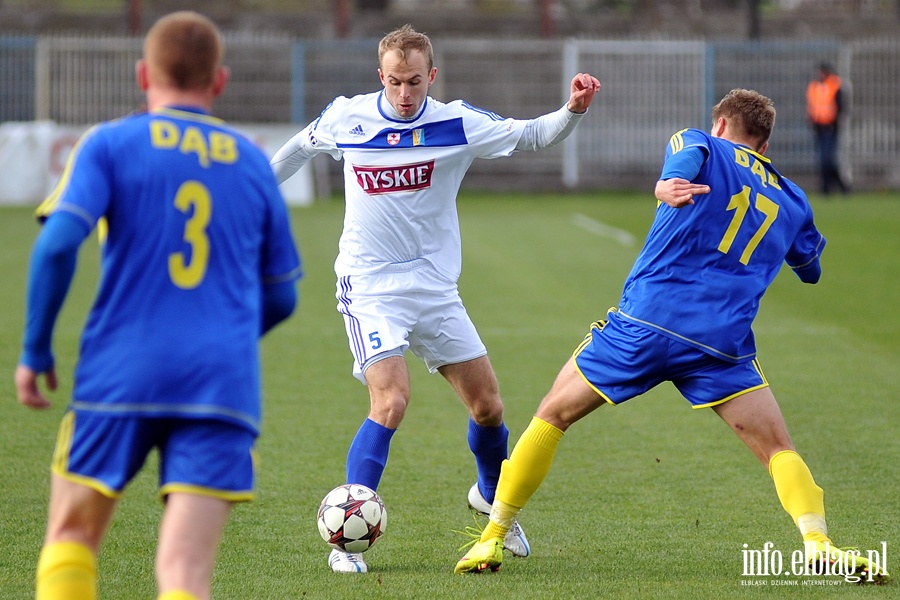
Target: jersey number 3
740,203
189,273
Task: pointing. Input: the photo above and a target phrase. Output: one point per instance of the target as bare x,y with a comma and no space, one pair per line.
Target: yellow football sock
799,495
66,571
494,529
522,474
177,595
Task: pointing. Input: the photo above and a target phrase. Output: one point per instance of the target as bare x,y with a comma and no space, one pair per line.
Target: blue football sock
368,454
489,445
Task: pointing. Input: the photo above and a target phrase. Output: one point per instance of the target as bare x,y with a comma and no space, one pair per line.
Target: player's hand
679,193
27,388
583,88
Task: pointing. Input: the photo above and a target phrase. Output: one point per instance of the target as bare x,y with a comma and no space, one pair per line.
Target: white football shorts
408,306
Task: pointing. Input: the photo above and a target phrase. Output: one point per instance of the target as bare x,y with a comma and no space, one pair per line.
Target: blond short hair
404,40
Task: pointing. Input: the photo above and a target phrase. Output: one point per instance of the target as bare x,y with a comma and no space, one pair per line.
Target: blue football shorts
200,456
620,360
407,306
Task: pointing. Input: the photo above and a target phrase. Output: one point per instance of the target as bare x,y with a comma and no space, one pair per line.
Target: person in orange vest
824,105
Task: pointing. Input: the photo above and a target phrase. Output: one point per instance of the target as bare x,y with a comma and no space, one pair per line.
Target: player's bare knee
487,412
77,527
389,409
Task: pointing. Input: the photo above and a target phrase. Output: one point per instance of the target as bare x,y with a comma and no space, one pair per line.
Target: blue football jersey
196,226
704,268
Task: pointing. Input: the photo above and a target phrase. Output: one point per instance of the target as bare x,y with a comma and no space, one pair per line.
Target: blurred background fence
662,64
650,89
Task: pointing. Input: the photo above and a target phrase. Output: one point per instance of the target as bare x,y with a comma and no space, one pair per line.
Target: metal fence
651,88
17,78
84,80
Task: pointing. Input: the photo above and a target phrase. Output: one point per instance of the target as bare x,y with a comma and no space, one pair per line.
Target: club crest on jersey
393,139
402,178
418,137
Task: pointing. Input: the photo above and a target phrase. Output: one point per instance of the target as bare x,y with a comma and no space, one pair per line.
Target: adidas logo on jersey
358,130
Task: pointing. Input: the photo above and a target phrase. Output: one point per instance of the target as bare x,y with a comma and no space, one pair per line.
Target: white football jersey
401,176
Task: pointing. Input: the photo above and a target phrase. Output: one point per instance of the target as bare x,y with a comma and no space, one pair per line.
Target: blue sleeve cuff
37,361
810,273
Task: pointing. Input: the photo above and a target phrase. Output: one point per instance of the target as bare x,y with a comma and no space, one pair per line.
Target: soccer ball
351,518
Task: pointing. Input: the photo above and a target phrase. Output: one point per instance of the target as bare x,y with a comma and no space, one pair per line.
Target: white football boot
346,562
515,540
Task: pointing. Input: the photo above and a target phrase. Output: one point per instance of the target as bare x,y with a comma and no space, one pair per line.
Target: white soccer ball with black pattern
351,518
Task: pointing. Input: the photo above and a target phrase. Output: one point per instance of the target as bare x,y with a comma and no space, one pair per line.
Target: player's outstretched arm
582,90
294,154
552,128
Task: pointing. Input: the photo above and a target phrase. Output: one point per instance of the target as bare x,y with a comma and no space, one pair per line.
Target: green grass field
648,500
